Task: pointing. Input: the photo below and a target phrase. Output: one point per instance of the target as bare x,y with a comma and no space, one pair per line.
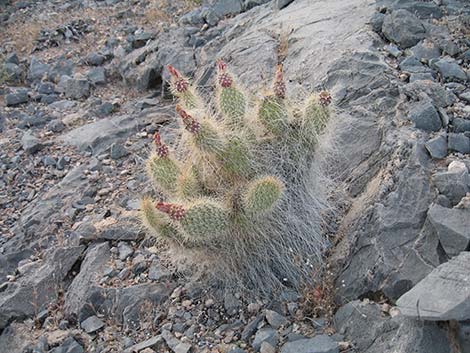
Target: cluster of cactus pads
241,194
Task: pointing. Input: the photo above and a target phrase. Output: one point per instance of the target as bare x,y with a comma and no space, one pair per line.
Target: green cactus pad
208,138
236,157
164,172
188,184
273,115
190,100
262,195
157,222
232,104
205,219
316,116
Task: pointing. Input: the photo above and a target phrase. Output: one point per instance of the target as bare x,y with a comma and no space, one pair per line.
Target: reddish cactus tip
191,124
325,98
221,65
162,149
173,71
179,83
175,212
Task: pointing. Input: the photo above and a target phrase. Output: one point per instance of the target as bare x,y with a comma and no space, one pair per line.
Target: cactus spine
239,203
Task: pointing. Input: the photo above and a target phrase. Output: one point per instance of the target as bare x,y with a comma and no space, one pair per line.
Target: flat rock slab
317,344
443,295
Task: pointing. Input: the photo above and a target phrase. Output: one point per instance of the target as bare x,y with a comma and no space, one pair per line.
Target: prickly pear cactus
242,196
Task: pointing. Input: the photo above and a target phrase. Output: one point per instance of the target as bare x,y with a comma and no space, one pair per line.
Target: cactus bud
325,98
262,195
162,149
191,124
231,100
158,223
279,86
179,83
175,212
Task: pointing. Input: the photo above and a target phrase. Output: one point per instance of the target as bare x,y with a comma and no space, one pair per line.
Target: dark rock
30,143
18,97
193,18
449,47
465,96
13,72
157,271
280,4
37,69
251,328
460,125
156,343
92,324
437,147
68,346
438,94
12,58
393,50
224,8
421,76
443,295
46,88
38,286
174,344
118,151
423,10
453,184
77,88
55,125
425,116
425,50
48,161
97,76
377,21
275,319
106,109
370,330
452,227
95,59
317,344
265,334
411,64
459,143
403,28
140,39
450,70
49,98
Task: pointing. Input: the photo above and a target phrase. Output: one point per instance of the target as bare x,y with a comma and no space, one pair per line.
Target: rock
82,299
46,88
437,147
38,286
18,97
465,96
97,76
411,64
393,50
425,116
450,71
157,271
265,334
438,94
403,28
124,251
459,143
13,72
175,345
55,125
275,319
365,325
280,4
317,344
92,324
77,88
95,59
118,151
68,346
37,69
156,343
453,184
377,21
12,58
251,328
267,348
425,51
31,144
443,295
460,125
231,303
452,227
224,8
140,39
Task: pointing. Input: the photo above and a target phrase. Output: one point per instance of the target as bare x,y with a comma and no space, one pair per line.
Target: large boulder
403,28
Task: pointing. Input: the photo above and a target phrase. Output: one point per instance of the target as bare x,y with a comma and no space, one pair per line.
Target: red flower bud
175,212
191,124
162,149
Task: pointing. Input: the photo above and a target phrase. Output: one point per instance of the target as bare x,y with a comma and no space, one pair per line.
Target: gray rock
95,59
371,331
231,303
92,324
450,70
156,343
465,96
175,345
423,10
13,72
12,58
317,344
453,184
97,76
18,97
157,271
464,336
77,88
31,144
438,94
46,88
124,230
426,50
421,76
437,147
124,251
224,8
37,69
443,295
403,28
459,143
55,125
68,346
251,328
452,227
280,4
265,334
275,319
377,21
411,64
393,50
425,116
449,47
38,286
460,125
118,151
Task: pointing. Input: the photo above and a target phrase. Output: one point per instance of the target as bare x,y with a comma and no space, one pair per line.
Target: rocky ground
83,88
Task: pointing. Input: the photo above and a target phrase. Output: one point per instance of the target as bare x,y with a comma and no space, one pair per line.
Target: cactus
242,203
